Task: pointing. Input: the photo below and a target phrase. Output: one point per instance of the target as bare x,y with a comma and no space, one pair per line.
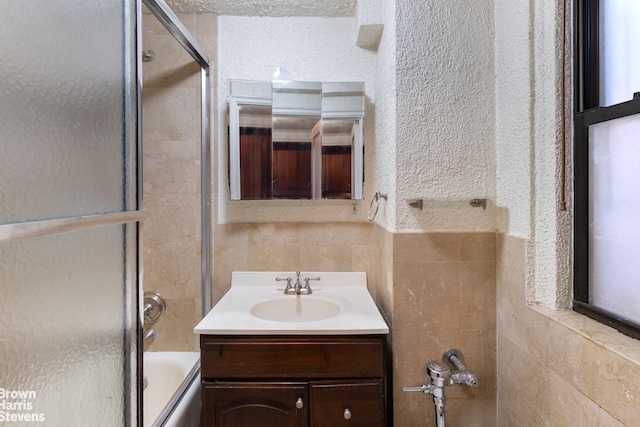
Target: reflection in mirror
295,112
337,141
295,140
255,151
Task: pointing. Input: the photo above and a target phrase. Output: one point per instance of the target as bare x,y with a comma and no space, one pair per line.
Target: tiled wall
444,297
171,167
292,247
558,368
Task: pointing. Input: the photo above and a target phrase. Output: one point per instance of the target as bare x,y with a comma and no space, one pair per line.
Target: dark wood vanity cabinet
294,381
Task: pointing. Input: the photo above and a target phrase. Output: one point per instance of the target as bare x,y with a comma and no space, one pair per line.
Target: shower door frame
171,22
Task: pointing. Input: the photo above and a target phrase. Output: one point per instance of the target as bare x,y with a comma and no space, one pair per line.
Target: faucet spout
149,335
298,285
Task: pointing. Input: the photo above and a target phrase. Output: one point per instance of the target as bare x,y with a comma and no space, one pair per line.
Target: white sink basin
256,305
299,308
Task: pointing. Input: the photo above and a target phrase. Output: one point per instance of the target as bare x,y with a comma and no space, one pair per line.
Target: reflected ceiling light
280,74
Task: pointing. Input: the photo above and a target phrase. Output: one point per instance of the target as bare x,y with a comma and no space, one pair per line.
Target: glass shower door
68,213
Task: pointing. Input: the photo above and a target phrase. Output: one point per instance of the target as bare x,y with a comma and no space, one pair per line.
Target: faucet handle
289,289
306,280
306,289
424,388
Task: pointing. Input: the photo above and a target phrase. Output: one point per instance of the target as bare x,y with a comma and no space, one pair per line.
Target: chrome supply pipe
464,376
440,376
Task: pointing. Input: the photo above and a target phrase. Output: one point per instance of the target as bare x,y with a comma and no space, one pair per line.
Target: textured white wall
311,49
385,118
514,106
528,117
369,16
466,105
445,134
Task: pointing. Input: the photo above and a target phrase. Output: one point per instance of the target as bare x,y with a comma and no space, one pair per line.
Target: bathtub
172,396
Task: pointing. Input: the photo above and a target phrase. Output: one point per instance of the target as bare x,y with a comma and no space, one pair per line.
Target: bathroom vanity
294,360
293,380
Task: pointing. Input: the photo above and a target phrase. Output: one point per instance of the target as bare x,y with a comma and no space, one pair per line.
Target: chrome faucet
149,335
298,288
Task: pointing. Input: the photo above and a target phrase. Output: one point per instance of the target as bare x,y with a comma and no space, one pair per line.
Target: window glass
619,60
614,229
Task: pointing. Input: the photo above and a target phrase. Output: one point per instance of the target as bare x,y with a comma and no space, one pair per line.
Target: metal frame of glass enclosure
171,22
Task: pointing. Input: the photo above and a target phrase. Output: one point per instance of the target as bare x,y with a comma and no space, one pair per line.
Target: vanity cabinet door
352,403
250,404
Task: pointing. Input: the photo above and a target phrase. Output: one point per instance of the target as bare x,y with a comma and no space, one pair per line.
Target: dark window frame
586,113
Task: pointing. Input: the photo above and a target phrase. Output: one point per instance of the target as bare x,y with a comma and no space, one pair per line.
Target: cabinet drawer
357,403
283,357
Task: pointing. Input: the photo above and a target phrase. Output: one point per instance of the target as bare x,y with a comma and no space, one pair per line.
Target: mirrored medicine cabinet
296,140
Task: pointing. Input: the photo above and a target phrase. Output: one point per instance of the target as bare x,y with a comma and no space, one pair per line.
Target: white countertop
232,314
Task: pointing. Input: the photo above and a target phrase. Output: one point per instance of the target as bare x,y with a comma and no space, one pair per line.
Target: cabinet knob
347,414
299,403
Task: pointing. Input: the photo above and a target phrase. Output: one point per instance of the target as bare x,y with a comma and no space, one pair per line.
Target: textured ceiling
323,8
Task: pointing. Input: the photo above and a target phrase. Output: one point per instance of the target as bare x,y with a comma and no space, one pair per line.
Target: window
607,163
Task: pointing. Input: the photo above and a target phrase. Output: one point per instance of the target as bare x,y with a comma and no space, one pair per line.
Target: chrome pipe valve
441,376
463,375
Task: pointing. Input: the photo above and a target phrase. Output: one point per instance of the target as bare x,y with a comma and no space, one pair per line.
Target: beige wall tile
325,258
441,304
478,247
421,247
170,167
569,407
611,381
171,66
175,328
293,247
523,384
150,24
171,114
506,417
479,350
188,20
172,271
425,292
171,153
515,320
206,25
476,412
477,299
363,258
171,220
384,271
